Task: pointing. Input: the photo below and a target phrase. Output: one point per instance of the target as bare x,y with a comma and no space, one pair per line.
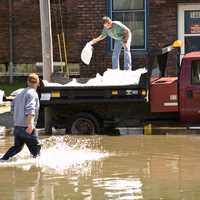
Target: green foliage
8,88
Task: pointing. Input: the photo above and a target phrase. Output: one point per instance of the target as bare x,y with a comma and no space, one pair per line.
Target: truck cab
163,88
179,94
189,88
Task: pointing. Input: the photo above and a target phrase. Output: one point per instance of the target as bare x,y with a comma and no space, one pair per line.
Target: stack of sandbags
111,77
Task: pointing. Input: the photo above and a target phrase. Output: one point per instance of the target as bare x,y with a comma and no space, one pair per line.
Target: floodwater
104,167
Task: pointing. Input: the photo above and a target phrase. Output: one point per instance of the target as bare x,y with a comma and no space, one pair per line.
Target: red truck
157,97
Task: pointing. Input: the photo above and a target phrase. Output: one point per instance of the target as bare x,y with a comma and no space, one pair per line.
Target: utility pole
11,41
47,53
46,33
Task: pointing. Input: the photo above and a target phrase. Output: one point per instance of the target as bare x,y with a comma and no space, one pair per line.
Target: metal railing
74,69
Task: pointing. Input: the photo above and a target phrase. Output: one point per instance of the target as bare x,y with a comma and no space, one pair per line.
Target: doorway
189,27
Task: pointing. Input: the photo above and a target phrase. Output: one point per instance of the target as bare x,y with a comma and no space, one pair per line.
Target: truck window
196,72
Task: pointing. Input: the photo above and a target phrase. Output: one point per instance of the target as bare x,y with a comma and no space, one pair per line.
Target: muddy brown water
104,167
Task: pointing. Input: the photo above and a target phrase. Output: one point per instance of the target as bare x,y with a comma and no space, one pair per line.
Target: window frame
110,14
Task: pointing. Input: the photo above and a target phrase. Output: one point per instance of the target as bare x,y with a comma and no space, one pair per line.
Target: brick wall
27,36
163,21
90,14
4,31
82,22
163,25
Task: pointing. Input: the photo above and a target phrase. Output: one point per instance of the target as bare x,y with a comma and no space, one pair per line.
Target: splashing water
58,154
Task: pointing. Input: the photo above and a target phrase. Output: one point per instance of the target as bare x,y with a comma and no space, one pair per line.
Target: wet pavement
105,167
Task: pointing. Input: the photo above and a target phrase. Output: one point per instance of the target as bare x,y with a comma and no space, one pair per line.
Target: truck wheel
85,123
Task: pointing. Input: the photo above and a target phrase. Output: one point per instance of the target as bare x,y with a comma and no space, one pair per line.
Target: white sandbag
86,53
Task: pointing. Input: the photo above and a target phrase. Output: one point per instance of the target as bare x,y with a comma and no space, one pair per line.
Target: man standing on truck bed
122,36
25,108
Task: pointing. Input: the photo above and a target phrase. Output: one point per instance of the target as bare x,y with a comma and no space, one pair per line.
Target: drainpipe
11,41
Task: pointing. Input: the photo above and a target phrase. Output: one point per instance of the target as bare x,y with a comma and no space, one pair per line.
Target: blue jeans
127,55
21,138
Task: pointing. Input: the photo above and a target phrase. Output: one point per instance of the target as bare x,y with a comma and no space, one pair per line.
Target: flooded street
104,167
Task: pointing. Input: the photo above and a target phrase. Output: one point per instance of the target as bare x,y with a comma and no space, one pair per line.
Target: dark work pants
21,138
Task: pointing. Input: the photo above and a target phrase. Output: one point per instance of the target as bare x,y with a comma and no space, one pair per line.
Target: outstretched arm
98,39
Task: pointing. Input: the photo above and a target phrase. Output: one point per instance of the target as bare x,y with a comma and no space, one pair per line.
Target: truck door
189,98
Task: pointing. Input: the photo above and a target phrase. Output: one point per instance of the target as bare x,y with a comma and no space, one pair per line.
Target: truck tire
85,123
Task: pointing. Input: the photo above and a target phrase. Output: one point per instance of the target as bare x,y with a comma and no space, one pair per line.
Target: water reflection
103,167
120,188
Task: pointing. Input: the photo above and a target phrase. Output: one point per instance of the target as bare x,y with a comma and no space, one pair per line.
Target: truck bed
84,93
69,95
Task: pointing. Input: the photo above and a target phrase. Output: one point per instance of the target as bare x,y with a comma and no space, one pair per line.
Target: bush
8,88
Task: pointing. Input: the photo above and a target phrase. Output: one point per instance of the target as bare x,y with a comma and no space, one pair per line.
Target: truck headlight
143,92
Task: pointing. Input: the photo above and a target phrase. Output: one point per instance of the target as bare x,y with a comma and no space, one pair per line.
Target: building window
133,14
192,30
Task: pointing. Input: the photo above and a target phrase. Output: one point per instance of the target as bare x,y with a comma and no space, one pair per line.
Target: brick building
154,23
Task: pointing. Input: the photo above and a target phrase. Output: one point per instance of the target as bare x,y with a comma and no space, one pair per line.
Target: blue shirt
25,103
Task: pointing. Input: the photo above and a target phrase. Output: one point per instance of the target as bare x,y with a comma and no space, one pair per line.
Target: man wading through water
25,108
122,36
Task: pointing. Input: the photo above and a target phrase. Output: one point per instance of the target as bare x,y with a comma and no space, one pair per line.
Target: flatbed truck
157,97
